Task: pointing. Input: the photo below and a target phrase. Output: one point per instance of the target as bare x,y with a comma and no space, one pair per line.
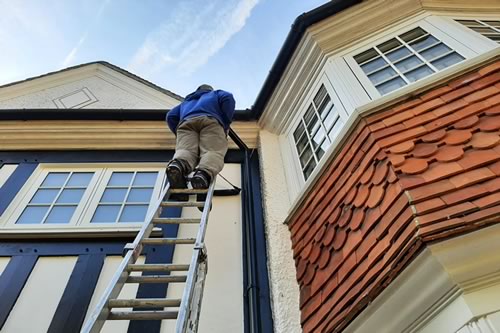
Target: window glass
56,199
487,28
406,58
313,135
126,197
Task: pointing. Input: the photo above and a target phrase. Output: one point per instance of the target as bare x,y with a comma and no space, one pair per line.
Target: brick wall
422,171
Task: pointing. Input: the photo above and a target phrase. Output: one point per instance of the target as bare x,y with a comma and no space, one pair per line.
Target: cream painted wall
40,296
3,263
283,284
108,93
222,307
5,172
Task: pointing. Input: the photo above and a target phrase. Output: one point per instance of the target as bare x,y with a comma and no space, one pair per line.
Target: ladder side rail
183,317
96,320
100,314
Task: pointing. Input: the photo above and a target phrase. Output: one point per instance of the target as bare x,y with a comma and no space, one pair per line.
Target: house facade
369,173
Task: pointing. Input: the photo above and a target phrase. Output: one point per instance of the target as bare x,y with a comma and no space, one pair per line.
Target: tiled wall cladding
423,171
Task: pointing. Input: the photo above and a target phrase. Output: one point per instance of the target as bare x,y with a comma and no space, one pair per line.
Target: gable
96,85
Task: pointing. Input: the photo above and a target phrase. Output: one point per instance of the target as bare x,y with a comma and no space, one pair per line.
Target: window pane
145,179
435,51
318,137
365,56
302,144
298,132
32,215
60,214
495,24
322,109
447,61
106,214
306,155
44,196
134,213
424,43
391,85
120,179
413,34
55,179
114,195
80,179
313,125
374,65
319,96
139,195
330,120
398,54
334,132
389,45
309,168
419,73
382,75
408,63
70,196
309,115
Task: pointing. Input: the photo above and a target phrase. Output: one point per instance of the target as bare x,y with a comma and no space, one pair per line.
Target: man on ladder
200,123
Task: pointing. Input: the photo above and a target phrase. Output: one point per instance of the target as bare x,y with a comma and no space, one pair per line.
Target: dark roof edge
97,114
298,29
109,65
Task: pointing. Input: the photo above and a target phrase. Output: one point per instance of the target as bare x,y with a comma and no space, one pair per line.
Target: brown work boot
201,180
176,175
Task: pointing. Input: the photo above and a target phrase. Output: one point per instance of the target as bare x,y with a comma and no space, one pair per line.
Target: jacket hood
197,94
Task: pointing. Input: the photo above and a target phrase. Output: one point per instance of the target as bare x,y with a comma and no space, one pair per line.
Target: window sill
75,232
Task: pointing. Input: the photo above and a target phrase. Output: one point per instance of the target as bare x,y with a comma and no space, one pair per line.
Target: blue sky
178,45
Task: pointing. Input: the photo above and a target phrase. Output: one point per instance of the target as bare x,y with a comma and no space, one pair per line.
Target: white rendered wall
283,284
104,93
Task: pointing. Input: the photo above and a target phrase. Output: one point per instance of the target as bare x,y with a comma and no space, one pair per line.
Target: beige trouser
202,142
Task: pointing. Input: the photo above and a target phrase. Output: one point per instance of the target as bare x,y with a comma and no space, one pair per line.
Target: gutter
293,39
98,114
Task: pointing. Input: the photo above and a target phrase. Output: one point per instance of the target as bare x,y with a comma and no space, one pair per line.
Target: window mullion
392,65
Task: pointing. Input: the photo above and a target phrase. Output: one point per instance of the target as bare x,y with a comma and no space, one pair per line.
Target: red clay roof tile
449,154
484,140
413,166
467,122
453,150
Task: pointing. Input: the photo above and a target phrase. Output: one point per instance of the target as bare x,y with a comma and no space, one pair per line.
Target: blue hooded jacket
217,103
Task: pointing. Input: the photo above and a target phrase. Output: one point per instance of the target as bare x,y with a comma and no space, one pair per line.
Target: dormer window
487,28
404,59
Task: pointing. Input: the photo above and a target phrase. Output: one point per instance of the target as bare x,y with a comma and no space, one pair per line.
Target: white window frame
471,37
89,201
460,48
296,172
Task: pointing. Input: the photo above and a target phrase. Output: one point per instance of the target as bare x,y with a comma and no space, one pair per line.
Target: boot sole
177,181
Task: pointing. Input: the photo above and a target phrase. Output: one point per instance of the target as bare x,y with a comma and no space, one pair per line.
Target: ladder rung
156,279
188,191
156,267
142,315
183,204
144,303
169,240
163,220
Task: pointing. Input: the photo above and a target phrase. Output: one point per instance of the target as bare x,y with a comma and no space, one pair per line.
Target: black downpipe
257,306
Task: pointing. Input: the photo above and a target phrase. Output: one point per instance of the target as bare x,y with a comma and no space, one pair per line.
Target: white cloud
195,31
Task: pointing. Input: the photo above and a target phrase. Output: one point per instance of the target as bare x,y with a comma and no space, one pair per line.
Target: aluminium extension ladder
189,306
